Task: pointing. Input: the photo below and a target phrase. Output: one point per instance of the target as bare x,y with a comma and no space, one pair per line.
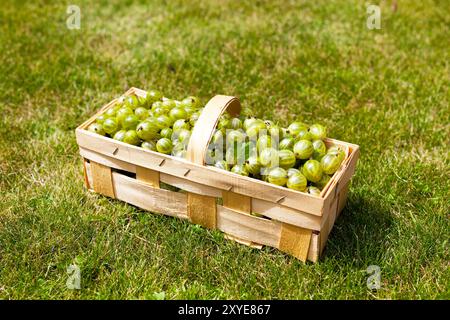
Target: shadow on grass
360,233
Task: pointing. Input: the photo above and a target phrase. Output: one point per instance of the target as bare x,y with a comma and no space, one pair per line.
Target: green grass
386,90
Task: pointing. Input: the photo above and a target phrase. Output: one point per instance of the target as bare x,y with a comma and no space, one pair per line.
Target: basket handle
206,123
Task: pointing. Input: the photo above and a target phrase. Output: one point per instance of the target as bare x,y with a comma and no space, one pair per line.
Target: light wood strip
247,227
240,203
295,241
148,176
314,248
202,210
285,214
237,202
146,197
102,179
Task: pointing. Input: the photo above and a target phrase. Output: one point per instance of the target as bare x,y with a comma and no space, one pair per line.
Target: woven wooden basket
294,222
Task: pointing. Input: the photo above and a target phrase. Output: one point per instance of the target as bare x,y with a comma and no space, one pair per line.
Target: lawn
386,90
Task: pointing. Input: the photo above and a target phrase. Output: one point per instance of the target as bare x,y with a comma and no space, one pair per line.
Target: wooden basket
294,222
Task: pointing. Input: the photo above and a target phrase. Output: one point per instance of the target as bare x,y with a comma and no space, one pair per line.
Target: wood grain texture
102,179
202,210
295,241
237,202
287,215
148,176
206,124
247,243
247,227
146,197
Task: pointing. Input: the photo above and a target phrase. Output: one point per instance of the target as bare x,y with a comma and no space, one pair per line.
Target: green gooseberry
101,118
312,170
292,171
120,135
269,157
149,145
96,128
235,136
248,122
181,124
235,123
304,135
295,127
222,164
163,121
286,159
263,143
303,149
132,102
191,101
313,191
177,113
130,122
320,149
111,126
278,176
168,104
141,113
240,169
287,143
131,137
164,145
318,132
253,165
323,181
153,96
193,118
330,163
166,133
297,181
122,113
147,130
183,135
337,150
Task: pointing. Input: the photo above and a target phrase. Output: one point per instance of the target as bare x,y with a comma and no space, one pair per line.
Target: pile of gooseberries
295,157
152,122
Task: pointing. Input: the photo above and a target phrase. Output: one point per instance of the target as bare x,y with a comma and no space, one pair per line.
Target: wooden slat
146,197
85,174
240,203
295,241
247,227
102,179
148,176
202,210
237,202
285,214
314,248
190,186
107,160
343,194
